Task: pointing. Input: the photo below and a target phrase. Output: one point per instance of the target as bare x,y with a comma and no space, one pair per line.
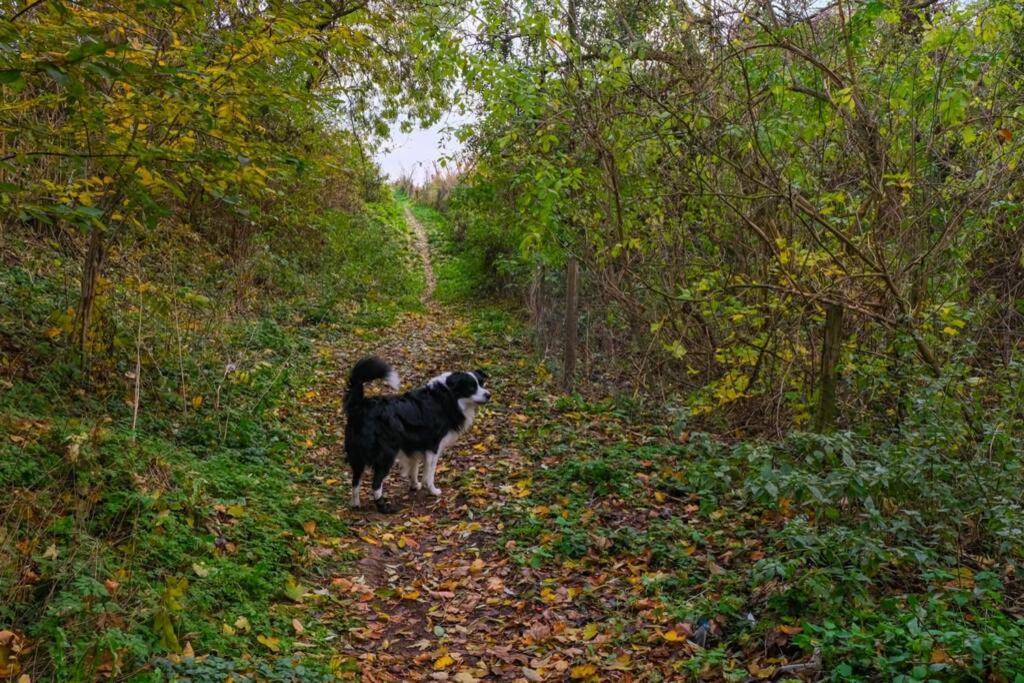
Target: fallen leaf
271,643
293,590
582,671
443,662
297,625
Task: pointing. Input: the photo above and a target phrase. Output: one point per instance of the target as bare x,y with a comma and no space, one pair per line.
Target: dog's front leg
429,467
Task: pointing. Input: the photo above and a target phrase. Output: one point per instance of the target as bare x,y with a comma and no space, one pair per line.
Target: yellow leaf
242,624
589,631
477,566
672,636
197,401
443,662
271,643
227,630
53,332
951,331
582,671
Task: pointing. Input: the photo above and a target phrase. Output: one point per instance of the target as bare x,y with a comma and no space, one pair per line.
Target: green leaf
294,590
56,74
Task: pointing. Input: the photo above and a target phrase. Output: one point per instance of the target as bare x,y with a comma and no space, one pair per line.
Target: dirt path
431,595
422,246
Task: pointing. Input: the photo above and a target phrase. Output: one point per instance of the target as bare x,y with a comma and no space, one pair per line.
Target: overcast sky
417,151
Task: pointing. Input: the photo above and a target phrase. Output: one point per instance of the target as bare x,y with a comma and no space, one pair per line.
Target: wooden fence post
830,347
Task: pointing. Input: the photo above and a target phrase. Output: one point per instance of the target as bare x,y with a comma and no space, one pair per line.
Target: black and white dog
414,428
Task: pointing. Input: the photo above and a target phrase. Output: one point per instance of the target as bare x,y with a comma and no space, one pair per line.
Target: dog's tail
367,370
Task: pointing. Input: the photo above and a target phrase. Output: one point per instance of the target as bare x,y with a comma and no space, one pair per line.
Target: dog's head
468,385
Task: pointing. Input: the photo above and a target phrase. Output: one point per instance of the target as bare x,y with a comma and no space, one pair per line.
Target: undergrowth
887,557
187,531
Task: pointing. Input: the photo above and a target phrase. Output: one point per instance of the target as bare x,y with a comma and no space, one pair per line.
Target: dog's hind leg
379,473
357,476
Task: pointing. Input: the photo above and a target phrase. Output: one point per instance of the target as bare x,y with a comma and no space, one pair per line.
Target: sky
417,151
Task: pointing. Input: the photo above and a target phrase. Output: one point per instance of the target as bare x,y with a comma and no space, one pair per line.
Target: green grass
461,273
122,546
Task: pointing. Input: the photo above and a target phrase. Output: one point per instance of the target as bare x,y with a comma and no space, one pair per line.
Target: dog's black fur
418,421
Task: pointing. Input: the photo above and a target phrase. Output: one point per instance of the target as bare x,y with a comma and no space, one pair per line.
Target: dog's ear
481,376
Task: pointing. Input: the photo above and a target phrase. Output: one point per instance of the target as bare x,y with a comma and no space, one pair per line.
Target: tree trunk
87,299
830,346
571,323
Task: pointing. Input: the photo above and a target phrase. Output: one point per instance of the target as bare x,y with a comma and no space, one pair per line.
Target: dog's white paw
415,486
434,491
